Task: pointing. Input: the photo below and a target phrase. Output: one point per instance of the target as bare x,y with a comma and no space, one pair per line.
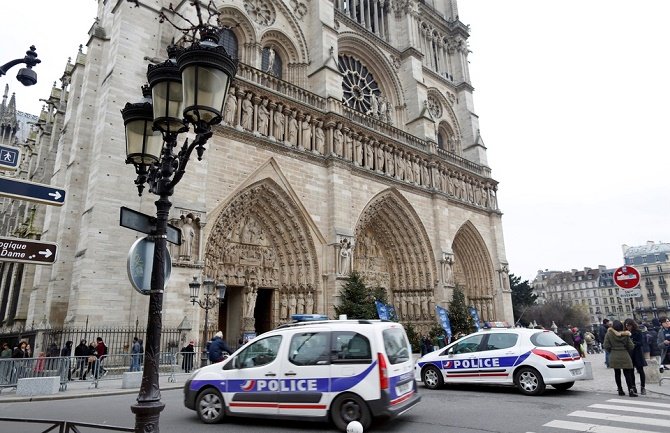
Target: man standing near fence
81,358
135,352
100,353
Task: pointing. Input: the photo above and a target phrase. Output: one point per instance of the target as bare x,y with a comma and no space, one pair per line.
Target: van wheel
347,408
529,381
563,386
432,377
209,406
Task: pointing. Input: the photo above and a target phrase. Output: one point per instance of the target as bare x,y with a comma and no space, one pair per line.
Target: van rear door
399,364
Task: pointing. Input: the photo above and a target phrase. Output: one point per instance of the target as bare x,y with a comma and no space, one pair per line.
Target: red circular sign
626,277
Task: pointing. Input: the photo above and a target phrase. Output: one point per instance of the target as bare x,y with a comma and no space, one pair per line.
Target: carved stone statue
301,303
247,121
338,141
188,238
319,139
309,303
348,144
252,293
292,303
374,105
231,108
345,257
292,130
358,152
369,155
278,125
263,117
283,306
379,166
306,133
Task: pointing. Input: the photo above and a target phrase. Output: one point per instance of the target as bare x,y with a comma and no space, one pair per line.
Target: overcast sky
572,96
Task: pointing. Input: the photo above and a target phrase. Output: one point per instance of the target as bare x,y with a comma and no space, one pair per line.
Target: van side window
395,345
350,348
259,352
310,348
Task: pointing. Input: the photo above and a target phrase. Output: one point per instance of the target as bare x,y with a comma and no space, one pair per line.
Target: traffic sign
31,191
626,277
134,220
26,251
141,262
10,157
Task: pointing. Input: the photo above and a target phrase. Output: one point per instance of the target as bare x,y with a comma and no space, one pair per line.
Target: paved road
456,409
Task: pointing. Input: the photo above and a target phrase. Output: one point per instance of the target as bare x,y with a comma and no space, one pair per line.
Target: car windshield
547,339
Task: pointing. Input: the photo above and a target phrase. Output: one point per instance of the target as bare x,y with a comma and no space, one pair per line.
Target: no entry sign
626,277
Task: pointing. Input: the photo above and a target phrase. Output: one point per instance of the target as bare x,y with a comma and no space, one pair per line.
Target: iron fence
66,426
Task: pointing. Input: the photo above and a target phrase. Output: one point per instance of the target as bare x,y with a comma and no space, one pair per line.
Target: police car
338,370
530,359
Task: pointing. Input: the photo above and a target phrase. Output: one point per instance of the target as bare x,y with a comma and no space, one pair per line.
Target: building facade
349,142
651,261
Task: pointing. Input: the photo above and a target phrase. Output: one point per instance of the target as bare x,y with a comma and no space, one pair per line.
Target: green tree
459,317
560,313
357,300
522,298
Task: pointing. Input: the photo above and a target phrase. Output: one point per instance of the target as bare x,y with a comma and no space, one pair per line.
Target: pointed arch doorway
261,247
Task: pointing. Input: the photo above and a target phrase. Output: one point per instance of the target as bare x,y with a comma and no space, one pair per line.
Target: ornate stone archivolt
393,250
261,238
473,270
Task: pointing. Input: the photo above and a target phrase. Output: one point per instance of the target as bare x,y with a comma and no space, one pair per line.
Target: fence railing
66,426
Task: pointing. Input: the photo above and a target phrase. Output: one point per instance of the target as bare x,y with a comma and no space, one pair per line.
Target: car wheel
529,381
209,406
563,386
347,408
432,377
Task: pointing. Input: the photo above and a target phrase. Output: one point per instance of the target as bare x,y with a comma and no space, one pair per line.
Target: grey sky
572,98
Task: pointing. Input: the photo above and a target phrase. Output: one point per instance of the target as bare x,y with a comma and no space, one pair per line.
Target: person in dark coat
81,353
637,354
65,354
619,344
568,336
216,347
187,353
602,331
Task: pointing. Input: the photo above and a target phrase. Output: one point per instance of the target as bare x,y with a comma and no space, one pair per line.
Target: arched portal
261,246
392,250
473,271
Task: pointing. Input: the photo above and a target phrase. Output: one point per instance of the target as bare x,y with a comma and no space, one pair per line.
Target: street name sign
27,251
10,157
31,191
141,262
628,279
134,220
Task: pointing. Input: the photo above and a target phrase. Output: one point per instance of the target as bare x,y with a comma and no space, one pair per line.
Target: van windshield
396,345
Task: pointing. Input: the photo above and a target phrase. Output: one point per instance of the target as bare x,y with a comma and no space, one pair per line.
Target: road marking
591,428
622,408
638,403
620,418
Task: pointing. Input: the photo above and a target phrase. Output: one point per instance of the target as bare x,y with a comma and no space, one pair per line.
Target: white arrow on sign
56,195
46,253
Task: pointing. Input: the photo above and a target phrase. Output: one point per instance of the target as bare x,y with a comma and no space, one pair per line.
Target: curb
79,395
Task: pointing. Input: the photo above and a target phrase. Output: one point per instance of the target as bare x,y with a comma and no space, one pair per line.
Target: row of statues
414,304
297,301
263,117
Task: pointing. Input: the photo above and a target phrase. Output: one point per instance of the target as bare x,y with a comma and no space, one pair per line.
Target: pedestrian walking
101,354
187,353
654,350
637,354
135,353
577,340
663,340
602,331
81,353
618,344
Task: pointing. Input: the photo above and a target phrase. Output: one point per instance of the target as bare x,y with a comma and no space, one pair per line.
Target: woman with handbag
618,344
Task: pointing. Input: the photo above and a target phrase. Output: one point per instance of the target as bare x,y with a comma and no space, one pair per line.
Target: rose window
260,11
434,107
358,86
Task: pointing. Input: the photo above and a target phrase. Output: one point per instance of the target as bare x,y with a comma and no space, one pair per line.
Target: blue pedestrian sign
10,157
24,190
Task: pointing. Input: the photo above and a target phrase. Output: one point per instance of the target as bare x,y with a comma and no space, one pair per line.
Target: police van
338,370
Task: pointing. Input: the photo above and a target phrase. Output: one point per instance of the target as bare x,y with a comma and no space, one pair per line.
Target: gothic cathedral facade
349,143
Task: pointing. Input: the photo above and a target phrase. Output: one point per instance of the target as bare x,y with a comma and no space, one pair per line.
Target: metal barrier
67,426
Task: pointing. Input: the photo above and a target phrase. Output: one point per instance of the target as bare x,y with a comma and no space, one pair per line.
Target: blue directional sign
9,157
37,192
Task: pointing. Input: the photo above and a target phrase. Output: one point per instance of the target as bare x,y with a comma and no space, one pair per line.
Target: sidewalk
603,382
84,389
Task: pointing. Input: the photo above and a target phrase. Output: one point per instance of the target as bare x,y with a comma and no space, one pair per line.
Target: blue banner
443,317
392,314
475,317
382,310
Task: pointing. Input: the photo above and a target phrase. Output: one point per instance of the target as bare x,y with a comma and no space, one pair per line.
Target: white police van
338,370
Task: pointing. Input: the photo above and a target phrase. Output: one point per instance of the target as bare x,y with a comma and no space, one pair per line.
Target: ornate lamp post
188,89
26,76
212,299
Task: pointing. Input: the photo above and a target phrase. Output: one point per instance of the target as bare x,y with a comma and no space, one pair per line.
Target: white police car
342,370
530,359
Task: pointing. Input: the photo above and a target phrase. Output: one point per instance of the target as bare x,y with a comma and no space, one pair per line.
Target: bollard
354,427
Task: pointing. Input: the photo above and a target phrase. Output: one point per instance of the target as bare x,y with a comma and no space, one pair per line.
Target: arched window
229,42
358,85
271,62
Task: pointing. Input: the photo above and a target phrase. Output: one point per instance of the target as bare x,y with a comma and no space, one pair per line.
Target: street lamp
212,299
26,76
190,88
